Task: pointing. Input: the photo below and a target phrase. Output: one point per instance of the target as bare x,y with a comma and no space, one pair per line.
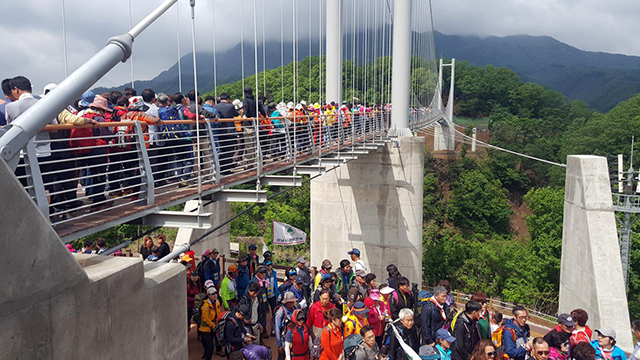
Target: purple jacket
256,352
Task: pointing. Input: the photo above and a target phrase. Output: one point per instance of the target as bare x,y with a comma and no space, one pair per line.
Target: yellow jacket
352,324
209,315
66,117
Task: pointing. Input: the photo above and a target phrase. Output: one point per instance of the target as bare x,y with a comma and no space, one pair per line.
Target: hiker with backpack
406,331
326,283
369,349
483,321
272,287
316,319
324,269
465,330
433,316
255,299
345,277
394,275
233,333
194,287
297,341
515,336
444,340
228,288
378,313
401,298
331,339
360,284
261,278
582,332
290,278
209,312
282,319
243,278
356,319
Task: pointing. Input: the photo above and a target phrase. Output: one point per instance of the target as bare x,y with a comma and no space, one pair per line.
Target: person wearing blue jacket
242,281
606,345
516,335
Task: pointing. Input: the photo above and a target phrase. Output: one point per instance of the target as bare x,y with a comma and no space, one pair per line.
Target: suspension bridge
365,168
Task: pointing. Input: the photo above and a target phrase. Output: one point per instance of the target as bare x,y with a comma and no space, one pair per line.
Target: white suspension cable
178,46
309,56
195,86
242,41
320,37
131,58
353,51
215,67
257,96
264,58
282,49
64,40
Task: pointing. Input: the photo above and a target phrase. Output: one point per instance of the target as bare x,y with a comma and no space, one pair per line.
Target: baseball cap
427,352
268,262
299,279
208,284
206,252
267,254
354,251
232,268
302,260
212,291
326,263
261,269
566,320
252,247
325,277
244,309
361,273
443,334
607,331
387,290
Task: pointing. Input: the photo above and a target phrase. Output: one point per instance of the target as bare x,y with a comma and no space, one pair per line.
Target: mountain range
600,79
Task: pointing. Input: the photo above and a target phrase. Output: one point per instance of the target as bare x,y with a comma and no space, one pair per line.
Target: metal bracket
281,180
146,164
311,169
176,219
35,178
233,195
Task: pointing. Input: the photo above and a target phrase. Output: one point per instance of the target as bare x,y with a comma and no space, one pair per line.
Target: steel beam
176,219
311,169
233,195
281,180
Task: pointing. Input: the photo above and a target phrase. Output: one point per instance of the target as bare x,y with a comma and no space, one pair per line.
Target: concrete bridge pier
591,273
374,204
58,305
220,240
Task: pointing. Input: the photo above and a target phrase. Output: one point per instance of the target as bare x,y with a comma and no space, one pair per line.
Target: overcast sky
32,42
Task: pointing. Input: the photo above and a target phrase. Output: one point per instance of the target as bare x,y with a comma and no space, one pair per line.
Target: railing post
256,127
213,148
289,143
34,178
146,172
310,131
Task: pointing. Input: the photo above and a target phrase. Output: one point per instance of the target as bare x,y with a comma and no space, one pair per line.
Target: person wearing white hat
606,345
209,316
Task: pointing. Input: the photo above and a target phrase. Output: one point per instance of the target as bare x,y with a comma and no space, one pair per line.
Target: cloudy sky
32,42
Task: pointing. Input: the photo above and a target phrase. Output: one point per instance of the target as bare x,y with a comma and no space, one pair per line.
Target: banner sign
284,234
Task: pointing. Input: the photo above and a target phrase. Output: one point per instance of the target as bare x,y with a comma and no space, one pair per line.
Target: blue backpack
170,131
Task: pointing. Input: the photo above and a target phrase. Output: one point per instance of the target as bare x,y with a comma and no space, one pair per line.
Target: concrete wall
591,272
58,305
220,212
375,204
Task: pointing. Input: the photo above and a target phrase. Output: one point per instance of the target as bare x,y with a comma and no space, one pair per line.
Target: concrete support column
401,68
334,51
591,273
374,204
220,212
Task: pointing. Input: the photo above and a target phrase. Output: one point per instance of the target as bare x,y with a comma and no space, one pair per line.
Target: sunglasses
491,353
542,352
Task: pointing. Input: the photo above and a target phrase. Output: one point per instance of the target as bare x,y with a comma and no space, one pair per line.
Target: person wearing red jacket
316,319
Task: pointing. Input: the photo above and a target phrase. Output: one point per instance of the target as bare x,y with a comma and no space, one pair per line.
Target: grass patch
477,122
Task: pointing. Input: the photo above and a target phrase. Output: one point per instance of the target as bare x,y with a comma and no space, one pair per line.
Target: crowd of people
105,159
348,314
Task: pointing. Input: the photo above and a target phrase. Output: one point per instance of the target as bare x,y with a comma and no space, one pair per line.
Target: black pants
208,344
63,183
98,163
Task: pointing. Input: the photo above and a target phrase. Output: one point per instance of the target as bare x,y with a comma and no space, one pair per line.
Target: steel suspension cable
282,49
320,37
178,46
264,58
215,67
353,51
309,55
64,40
197,112
131,57
242,41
